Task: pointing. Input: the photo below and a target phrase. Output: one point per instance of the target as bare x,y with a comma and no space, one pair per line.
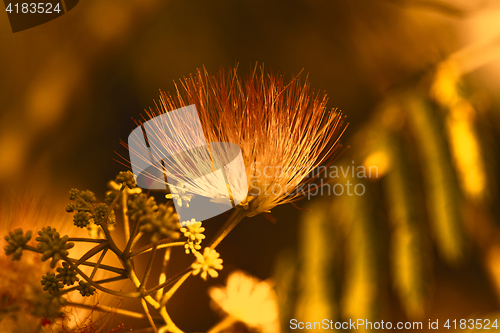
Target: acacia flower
194,233
207,264
16,240
283,129
115,188
85,289
53,245
66,274
164,224
51,284
249,300
180,194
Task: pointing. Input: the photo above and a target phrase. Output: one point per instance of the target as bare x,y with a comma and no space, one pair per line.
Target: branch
142,287
174,288
163,245
95,285
104,308
131,239
104,226
148,315
113,279
163,274
96,267
106,267
87,240
126,223
235,218
93,251
169,281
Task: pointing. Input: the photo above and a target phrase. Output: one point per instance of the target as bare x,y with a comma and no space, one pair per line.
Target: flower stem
104,308
87,240
234,219
174,288
126,223
142,287
96,267
163,274
169,281
93,251
105,267
31,248
131,239
150,247
171,327
113,279
148,315
136,239
95,285
223,325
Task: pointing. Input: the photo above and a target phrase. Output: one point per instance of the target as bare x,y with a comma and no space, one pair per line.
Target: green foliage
17,240
433,190
442,190
165,224
318,250
67,274
52,245
85,289
81,219
48,306
362,292
158,220
126,178
51,284
100,213
142,208
410,253
193,231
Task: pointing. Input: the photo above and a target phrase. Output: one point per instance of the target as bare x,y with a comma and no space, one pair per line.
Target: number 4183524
484,324
40,8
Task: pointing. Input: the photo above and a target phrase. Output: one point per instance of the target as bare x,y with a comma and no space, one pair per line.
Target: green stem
223,325
148,315
166,283
95,285
142,287
148,248
104,226
131,239
104,308
169,322
105,267
96,267
93,251
113,279
163,274
87,240
136,239
112,244
31,248
234,219
174,288
126,223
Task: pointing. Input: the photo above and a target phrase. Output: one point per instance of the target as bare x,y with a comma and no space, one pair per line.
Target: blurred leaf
316,299
409,253
285,276
360,297
442,190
